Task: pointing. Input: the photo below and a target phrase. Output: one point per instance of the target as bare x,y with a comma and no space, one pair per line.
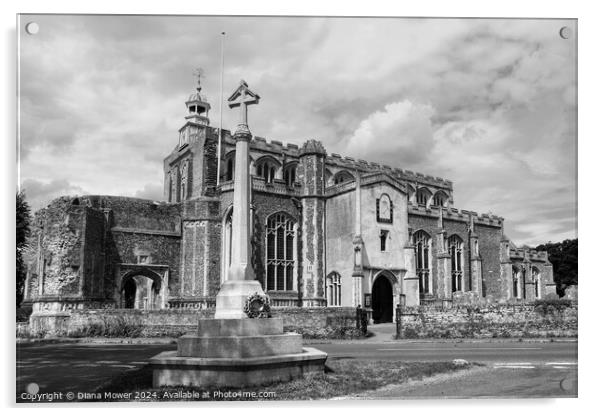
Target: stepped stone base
236,353
171,370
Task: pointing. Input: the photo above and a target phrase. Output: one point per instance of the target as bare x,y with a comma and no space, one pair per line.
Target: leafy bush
328,332
551,306
109,326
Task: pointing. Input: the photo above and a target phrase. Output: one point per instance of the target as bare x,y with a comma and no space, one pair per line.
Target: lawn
343,377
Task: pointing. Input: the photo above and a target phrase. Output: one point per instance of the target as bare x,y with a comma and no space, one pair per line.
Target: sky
489,104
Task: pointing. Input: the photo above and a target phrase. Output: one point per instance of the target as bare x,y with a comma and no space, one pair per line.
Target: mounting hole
32,28
566,32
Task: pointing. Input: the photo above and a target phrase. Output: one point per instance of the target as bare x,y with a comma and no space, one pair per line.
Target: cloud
489,104
150,191
39,193
399,135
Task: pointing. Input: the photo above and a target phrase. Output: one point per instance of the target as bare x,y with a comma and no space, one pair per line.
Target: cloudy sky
488,104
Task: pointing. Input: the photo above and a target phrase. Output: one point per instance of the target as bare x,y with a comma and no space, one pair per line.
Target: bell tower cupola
197,105
197,117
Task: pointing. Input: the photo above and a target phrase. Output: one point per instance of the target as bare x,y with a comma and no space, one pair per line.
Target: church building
327,231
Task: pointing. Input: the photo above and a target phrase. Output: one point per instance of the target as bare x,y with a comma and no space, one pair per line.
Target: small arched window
290,174
229,162
411,193
516,282
455,249
342,176
333,289
184,181
536,282
439,199
422,196
384,209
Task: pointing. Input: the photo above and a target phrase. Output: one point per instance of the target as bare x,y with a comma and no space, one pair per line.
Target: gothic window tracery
267,170
537,282
516,283
422,250
455,249
184,181
281,253
439,199
422,196
333,289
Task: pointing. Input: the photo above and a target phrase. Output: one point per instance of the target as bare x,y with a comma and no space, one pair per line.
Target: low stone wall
542,319
118,322
319,322
310,322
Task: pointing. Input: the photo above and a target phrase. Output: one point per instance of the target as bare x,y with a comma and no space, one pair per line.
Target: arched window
281,253
226,245
422,196
536,282
411,194
422,250
455,249
384,209
516,282
184,181
173,182
333,289
342,176
266,169
439,199
290,174
229,162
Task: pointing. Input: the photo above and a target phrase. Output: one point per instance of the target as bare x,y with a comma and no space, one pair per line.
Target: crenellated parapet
455,214
528,254
337,161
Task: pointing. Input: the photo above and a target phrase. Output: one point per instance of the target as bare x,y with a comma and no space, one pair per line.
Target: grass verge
343,377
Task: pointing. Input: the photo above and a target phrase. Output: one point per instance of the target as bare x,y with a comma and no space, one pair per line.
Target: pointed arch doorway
382,300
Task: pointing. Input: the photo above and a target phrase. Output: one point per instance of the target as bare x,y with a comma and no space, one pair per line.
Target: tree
23,232
563,257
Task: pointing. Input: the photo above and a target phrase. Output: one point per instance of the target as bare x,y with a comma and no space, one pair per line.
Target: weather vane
198,74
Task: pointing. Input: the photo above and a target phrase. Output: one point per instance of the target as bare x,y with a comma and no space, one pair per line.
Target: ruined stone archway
141,287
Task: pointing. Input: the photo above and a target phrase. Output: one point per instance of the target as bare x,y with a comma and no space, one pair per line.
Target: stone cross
240,282
243,97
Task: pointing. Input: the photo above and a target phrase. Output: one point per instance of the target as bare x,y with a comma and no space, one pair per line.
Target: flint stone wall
310,322
491,321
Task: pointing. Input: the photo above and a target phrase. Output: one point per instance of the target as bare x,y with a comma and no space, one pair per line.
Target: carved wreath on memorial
257,306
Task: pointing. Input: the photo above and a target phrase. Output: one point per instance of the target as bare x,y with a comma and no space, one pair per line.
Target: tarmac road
83,367
484,352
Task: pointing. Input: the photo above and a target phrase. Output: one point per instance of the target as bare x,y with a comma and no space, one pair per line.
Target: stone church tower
327,231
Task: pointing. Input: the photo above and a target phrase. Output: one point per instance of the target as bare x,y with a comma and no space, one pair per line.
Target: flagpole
221,102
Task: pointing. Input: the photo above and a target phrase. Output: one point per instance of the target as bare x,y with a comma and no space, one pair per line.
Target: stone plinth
171,370
236,353
230,301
